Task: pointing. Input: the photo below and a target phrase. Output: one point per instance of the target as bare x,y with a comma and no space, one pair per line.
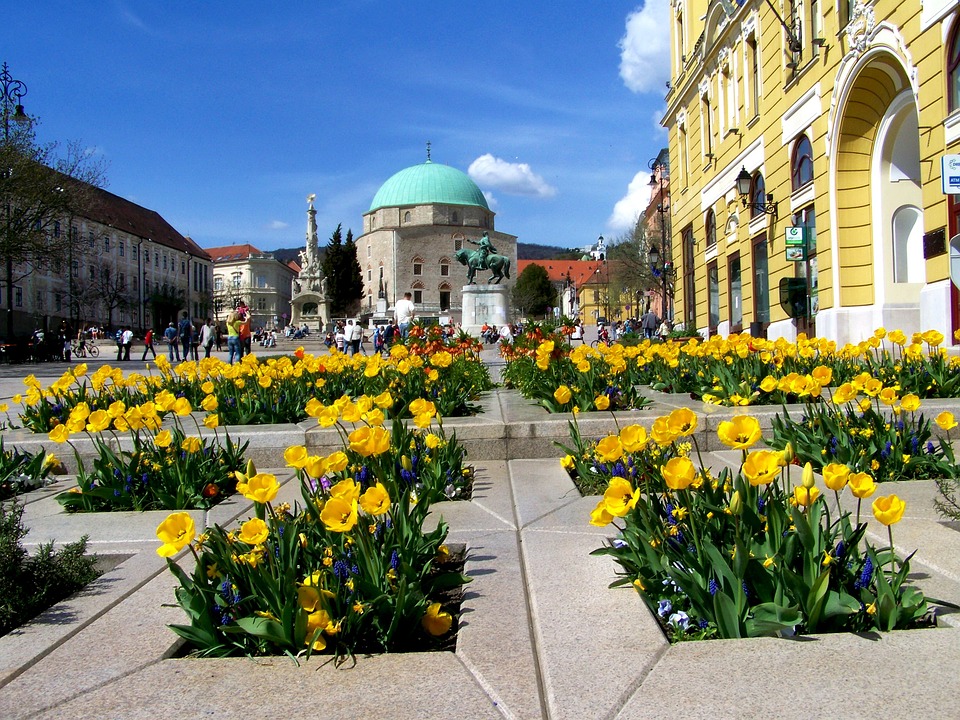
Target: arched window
758,194
455,218
406,216
801,169
953,70
710,228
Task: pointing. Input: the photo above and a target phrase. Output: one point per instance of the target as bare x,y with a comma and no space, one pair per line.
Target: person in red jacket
148,345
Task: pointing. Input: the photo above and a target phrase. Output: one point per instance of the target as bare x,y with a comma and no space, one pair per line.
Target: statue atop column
485,257
311,272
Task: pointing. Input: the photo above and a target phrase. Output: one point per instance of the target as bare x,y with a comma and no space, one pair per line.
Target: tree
342,271
534,293
40,187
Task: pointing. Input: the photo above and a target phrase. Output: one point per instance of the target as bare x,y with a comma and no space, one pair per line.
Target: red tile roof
233,252
117,212
579,271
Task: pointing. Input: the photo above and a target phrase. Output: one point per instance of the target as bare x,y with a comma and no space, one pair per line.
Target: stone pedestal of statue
484,304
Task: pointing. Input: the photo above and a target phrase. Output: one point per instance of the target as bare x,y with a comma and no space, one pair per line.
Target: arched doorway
879,270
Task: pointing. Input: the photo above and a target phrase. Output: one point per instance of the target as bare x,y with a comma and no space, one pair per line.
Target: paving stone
539,488
417,686
494,640
900,674
583,631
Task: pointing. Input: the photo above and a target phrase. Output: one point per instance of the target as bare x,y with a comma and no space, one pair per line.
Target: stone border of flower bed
510,426
541,636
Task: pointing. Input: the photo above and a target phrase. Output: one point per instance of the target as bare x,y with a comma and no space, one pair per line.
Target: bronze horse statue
499,265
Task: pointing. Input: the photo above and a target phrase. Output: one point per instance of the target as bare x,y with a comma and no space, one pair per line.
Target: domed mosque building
417,222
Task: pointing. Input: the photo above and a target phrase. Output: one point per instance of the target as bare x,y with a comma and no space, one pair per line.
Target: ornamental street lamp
11,93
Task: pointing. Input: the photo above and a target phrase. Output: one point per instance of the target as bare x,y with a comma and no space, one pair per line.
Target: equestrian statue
485,257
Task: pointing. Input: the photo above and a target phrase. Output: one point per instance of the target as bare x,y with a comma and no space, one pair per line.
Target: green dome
426,184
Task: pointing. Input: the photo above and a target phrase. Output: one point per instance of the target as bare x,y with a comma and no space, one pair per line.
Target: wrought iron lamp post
11,93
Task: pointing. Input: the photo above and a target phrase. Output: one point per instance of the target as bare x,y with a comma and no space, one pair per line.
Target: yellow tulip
254,531
761,467
163,439
375,500
679,473
562,395
805,496
602,402
633,438
339,515
861,485
176,532
889,509
682,422
59,434
946,421
620,497
609,449
296,456
435,621
261,488
740,433
835,476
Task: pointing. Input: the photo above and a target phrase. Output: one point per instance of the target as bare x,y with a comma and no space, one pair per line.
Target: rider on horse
484,248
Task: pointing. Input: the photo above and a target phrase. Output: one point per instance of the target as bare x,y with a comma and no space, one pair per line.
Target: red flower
210,490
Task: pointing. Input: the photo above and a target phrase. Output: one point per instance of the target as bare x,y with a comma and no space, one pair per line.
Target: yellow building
836,117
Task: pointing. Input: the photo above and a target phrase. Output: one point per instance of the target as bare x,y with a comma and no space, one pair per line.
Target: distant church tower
416,222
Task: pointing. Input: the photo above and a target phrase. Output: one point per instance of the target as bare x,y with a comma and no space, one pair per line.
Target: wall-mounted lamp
819,42
744,186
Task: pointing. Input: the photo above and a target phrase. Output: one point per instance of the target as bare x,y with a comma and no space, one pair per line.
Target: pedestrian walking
126,340
148,345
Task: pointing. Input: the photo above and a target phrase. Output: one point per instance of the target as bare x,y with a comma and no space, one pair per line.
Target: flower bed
542,366
274,391
23,471
745,553
349,571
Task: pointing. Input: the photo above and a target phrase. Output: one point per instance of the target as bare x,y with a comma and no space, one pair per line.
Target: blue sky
223,117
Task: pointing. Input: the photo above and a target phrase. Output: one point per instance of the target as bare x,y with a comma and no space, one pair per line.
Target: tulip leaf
263,627
769,618
816,599
728,620
803,529
839,604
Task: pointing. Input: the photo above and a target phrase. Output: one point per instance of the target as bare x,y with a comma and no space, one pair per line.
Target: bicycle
85,349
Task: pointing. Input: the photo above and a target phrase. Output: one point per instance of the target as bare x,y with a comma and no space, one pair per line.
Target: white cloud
512,178
631,206
491,200
645,48
279,225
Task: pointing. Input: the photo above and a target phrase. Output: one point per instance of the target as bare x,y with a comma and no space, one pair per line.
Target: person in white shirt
340,338
403,313
351,337
207,337
506,334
